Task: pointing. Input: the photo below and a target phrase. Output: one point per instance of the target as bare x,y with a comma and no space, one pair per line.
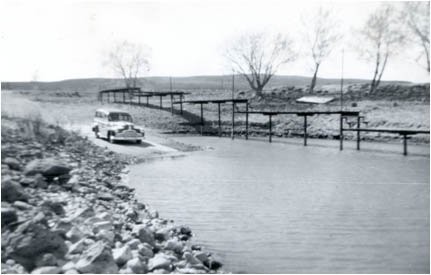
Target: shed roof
315,99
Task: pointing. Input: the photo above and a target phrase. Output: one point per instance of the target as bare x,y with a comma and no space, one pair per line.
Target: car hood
118,125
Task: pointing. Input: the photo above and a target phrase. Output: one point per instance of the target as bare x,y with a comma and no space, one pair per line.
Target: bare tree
380,38
321,36
416,16
258,56
129,61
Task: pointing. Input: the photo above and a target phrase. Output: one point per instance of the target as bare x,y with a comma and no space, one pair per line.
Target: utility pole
172,96
233,86
342,80
170,83
341,101
233,106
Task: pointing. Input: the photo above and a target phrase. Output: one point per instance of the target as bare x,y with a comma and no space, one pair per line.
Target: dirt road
150,146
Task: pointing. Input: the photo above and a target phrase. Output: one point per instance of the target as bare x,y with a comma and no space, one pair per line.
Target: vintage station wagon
116,125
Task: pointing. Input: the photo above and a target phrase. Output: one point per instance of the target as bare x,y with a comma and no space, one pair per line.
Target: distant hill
179,83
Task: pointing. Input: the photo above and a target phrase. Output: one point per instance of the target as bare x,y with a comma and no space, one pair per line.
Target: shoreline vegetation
67,209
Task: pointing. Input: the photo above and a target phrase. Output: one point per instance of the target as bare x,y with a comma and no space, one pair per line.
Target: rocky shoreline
66,209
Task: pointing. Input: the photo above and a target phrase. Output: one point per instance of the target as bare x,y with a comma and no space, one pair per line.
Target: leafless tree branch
258,56
379,39
129,61
321,36
416,16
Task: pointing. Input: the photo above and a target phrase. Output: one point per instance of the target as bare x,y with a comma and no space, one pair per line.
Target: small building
315,99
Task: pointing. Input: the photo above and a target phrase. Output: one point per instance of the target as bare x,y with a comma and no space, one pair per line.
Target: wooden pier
304,114
234,102
132,93
115,92
137,92
405,133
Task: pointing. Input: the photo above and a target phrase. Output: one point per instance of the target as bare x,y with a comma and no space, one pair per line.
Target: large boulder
122,255
54,206
133,243
10,267
36,181
97,259
78,247
31,240
47,259
174,245
49,167
137,266
143,233
201,256
12,191
105,196
8,215
75,234
13,163
47,270
145,250
159,261
106,235
22,205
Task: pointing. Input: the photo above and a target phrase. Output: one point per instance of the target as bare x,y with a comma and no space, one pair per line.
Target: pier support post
341,132
219,119
161,104
358,134
148,100
181,104
124,97
305,130
270,128
115,97
405,144
233,120
108,97
202,119
246,120
172,104
139,99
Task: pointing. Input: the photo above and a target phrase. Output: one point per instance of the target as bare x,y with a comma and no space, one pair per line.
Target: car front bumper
127,138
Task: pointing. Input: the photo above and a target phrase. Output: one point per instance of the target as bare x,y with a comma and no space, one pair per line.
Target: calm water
283,208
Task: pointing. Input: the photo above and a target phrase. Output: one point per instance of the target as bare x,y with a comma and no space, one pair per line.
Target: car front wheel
139,141
110,138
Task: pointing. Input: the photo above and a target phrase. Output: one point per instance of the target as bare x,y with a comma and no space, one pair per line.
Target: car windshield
119,117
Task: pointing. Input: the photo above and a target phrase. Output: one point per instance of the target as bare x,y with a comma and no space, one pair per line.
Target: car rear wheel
96,131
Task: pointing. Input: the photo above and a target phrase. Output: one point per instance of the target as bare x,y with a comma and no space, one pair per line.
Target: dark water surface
284,208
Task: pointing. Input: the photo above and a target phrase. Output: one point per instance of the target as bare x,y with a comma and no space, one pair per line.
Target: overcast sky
62,40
